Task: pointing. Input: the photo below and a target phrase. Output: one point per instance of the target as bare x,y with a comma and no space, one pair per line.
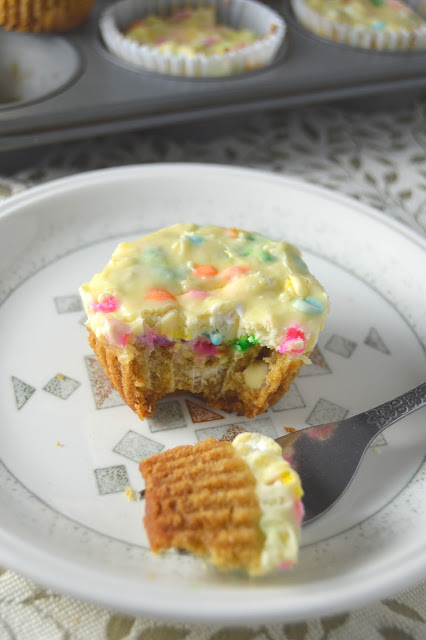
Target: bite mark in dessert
226,314
237,504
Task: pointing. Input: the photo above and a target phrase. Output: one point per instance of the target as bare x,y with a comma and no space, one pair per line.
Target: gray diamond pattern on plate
23,391
112,479
167,415
136,447
379,441
68,304
105,395
317,367
340,345
263,425
61,386
375,341
290,400
325,412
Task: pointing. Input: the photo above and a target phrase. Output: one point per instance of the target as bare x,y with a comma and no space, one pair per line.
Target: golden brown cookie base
43,16
202,499
144,375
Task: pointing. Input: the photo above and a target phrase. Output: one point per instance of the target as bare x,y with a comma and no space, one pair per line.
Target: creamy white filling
279,492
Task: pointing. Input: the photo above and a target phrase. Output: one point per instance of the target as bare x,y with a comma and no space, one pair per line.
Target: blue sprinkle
378,25
215,337
308,305
195,239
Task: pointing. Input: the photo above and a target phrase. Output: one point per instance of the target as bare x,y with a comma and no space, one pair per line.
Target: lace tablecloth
377,157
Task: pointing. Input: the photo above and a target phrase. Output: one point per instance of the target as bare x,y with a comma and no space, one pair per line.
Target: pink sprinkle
284,566
117,332
294,341
125,339
108,304
300,511
205,348
196,293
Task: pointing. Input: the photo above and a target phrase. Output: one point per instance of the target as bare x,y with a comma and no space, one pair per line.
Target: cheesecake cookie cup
381,25
216,38
225,314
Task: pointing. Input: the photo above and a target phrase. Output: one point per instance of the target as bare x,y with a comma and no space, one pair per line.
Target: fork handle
389,412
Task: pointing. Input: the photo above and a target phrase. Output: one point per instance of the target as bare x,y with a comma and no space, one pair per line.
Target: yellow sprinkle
286,477
60,376
289,287
130,494
59,444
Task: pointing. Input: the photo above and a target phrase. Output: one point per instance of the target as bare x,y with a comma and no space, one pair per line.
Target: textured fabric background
374,156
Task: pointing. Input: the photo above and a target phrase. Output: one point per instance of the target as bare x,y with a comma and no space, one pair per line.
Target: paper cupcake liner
248,14
359,36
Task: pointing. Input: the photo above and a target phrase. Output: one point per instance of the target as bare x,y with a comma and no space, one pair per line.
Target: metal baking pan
57,88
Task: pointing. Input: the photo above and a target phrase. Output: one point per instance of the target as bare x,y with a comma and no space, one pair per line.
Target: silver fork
327,456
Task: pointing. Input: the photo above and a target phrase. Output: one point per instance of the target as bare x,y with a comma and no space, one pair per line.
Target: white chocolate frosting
210,284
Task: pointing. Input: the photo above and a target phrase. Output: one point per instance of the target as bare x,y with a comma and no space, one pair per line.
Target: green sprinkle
265,256
154,255
377,3
244,343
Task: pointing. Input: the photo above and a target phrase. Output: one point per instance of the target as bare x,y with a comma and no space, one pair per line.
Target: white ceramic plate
69,447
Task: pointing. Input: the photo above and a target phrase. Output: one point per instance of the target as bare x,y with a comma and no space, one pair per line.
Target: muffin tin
57,88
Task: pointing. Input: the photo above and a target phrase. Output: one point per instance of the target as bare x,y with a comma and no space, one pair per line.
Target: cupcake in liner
382,25
43,16
248,15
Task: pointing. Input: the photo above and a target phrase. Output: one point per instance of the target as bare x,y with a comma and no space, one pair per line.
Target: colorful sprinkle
125,339
195,239
242,344
293,342
265,256
308,305
154,255
245,251
232,232
106,304
204,271
379,25
216,336
285,566
205,347
160,295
